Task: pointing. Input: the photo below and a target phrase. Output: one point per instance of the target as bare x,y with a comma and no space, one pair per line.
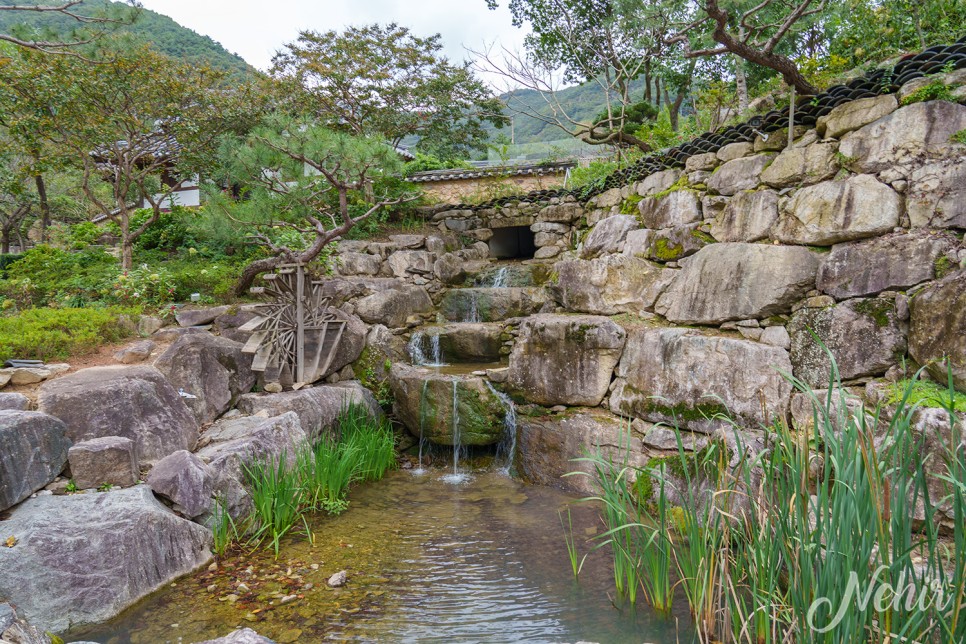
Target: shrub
144,285
57,334
936,90
49,276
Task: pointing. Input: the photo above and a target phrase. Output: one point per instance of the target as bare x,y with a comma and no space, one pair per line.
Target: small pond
427,561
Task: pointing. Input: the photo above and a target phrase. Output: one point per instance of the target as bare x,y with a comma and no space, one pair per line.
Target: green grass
57,334
773,547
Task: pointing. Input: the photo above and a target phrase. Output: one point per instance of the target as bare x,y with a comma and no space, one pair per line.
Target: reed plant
318,478
832,534
224,530
277,493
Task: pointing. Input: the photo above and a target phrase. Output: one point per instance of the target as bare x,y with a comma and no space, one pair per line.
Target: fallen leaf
10,542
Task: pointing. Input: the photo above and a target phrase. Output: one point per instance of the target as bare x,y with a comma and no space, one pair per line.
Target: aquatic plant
373,440
277,499
825,535
571,542
318,480
223,529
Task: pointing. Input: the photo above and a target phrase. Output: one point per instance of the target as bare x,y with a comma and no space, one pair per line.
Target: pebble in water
337,580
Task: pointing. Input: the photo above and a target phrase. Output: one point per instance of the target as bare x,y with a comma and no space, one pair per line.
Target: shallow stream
427,561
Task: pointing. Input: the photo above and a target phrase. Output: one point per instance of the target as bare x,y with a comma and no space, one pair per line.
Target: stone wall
458,191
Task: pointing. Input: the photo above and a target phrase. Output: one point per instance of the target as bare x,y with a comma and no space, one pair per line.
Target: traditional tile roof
457,174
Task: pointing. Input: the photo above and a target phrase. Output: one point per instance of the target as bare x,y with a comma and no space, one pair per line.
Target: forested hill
165,34
583,102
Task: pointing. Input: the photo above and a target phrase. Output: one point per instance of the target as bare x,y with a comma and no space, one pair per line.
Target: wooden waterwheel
296,334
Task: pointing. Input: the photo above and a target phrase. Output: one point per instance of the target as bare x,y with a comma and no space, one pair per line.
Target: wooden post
791,119
299,323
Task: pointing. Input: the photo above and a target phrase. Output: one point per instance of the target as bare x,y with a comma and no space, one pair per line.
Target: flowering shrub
144,285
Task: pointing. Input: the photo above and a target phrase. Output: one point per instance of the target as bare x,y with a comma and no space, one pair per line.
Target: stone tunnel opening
514,242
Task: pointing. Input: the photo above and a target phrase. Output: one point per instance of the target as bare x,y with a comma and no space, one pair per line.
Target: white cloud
255,29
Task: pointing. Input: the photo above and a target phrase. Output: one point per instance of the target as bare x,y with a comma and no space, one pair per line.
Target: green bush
56,334
146,285
48,276
171,231
215,280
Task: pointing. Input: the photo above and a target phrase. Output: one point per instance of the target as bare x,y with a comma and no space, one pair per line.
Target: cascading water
425,351
506,449
420,470
473,314
500,278
456,476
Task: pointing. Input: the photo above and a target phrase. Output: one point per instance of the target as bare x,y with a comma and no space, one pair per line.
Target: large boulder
801,166
739,174
186,481
904,137
406,263
737,281
609,285
685,377
749,216
666,244
227,325
358,264
83,558
491,304
565,359
936,196
15,402
33,451
467,341
608,235
231,444
393,307
657,182
212,369
852,115
135,402
548,447
838,211
937,329
428,403
892,262
199,316
107,460
863,335
317,408
676,208
351,344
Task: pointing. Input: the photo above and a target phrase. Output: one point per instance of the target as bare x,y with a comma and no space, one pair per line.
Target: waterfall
473,315
423,356
500,278
455,477
507,447
422,428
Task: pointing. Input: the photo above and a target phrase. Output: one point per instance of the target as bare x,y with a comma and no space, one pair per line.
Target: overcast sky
255,29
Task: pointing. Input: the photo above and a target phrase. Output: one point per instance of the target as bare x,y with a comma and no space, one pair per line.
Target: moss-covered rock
424,402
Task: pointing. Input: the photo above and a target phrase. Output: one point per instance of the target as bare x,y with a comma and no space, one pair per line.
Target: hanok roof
535,170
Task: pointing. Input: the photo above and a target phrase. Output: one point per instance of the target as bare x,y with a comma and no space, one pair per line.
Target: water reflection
483,561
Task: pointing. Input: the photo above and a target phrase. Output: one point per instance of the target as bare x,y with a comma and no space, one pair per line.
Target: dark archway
514,242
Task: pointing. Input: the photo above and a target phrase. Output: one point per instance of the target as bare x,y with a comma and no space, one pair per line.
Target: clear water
483,561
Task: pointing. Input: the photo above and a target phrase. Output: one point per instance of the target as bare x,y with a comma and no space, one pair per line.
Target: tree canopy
384,80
